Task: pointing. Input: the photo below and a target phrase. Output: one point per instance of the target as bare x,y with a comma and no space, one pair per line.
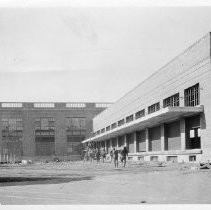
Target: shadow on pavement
15,181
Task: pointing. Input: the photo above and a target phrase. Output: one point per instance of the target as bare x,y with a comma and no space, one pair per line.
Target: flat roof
163,115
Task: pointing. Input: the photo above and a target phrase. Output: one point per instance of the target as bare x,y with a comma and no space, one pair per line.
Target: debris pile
205,165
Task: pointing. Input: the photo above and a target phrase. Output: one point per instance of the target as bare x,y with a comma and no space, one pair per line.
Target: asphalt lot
85,183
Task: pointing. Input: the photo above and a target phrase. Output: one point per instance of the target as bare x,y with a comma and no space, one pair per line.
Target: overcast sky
90,54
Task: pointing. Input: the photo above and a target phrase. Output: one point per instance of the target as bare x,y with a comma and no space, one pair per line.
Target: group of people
92,154
119,155
97,154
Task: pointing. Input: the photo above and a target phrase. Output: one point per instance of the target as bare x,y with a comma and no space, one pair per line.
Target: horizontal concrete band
173,152
150,120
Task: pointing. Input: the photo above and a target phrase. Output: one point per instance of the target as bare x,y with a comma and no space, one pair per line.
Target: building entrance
193,136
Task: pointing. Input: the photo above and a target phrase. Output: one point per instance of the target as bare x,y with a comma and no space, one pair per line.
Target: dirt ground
85,183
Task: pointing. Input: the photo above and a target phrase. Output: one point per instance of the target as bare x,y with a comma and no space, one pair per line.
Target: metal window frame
192,95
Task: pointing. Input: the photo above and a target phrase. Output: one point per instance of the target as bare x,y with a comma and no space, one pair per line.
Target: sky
90,54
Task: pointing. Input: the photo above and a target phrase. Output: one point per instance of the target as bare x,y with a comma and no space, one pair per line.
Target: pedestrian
90,155
116,153
111,155
89,145
124,156
120,155
86,155
103,154
98,155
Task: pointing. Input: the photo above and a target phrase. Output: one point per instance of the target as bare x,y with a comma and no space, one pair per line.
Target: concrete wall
187,69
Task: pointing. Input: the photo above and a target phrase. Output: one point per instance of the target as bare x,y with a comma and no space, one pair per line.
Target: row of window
44,105
44,146
12,124
44,123
44,133
52,105
191,98
102,105
75,105
17,135
192,158
76,133
52,133
11,105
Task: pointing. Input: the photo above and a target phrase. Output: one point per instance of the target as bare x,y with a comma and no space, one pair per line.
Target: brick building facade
38,131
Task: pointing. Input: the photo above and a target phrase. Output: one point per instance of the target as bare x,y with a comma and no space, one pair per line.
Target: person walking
103,154
120,155
116,153
90,155
86,156
124,156
112,155
98,155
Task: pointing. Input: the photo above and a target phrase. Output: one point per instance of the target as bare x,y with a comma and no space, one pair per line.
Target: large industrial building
168,116
43,131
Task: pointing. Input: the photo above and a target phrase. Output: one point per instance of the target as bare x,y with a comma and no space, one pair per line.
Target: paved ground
78,183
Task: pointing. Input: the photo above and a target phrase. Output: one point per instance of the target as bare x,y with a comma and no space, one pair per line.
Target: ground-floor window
172,136
130,142
141,141
74,145
171,158
154,158
141,158
44,145
121,141
11,150
192,158
114,142
155,139
74,148
108,144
